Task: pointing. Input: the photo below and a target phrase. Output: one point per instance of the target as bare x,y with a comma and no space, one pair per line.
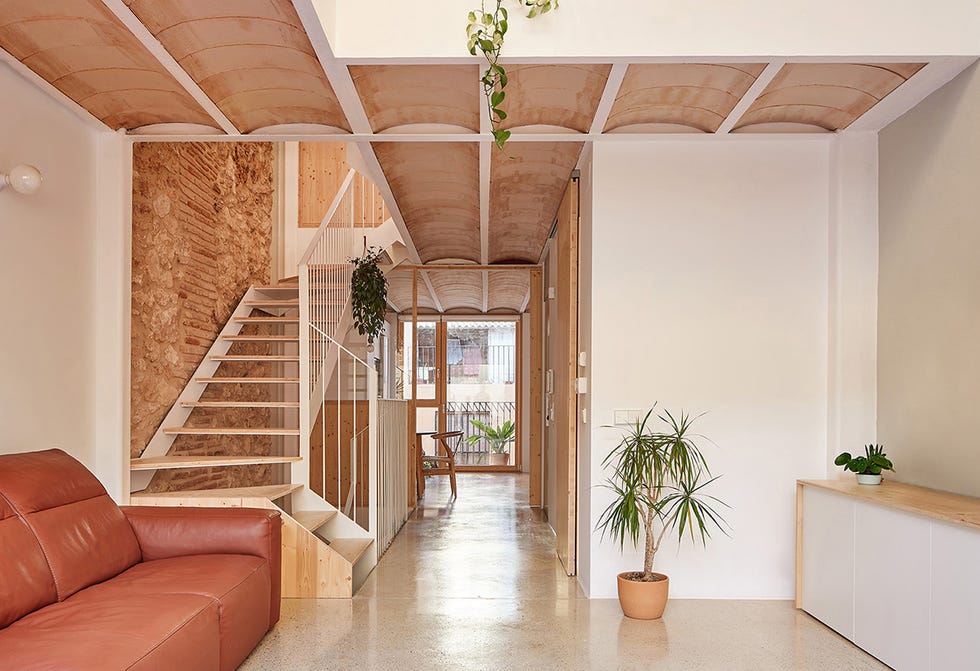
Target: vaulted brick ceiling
189,67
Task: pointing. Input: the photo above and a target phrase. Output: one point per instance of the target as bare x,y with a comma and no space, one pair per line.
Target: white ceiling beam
915,89
486,150
152,44
527,299
486,289
760,84
432,290
486,154
59,97
608,99
627,60
343,87
516,137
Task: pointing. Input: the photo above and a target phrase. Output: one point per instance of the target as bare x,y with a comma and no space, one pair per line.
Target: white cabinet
895,569
828,564
955,598
891,586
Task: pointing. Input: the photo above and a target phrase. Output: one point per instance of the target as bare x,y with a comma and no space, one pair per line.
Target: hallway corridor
475,584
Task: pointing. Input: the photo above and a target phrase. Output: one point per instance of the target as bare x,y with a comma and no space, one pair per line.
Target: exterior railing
491,413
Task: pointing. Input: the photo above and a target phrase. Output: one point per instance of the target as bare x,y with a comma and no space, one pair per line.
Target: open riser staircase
273,393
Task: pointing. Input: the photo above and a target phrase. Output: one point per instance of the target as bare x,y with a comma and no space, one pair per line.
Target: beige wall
48,270
929,289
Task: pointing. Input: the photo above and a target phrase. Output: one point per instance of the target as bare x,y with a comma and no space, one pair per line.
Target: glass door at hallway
467,380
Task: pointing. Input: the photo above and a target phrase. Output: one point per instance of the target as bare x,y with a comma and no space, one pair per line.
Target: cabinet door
891,586
955,598
828,559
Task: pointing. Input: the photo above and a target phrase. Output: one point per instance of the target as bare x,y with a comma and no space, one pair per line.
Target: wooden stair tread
260,338
239,404
350,549
254,357
247,380
273,302
271,492
311,520
231,431
154,463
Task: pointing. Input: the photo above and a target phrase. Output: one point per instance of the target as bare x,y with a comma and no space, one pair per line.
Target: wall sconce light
24,179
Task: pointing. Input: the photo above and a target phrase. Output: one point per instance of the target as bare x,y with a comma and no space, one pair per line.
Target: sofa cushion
239,584
115,631
82,532
25,579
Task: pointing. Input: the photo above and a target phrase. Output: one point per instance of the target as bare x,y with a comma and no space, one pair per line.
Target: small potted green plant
658,481
867,468
497,437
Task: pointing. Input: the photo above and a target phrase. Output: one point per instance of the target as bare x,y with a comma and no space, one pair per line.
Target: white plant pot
864,479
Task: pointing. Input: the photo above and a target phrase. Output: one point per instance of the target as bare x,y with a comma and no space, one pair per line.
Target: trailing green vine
369,294
485,33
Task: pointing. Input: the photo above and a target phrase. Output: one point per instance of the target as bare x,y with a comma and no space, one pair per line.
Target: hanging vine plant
369,294
485,33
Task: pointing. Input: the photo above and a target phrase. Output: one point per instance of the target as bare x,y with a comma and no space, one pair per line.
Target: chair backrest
445,438
83,534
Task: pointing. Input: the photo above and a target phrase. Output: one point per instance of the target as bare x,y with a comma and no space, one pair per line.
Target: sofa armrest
164,532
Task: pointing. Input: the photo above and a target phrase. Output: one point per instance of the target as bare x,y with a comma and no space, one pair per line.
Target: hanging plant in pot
369,294
658,483
867,468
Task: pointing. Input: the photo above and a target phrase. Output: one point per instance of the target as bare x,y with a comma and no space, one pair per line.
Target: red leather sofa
85,584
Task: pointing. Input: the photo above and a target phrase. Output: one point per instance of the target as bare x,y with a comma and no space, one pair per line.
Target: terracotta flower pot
499,458
643,600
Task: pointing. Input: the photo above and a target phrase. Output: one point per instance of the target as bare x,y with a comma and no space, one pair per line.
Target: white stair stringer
161,442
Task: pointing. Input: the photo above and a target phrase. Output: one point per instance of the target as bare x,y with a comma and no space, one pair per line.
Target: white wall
600,28
711,278
48,270
929,321
584,465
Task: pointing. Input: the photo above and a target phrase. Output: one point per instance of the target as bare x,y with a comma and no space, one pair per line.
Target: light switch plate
625,417
581,385
552,293
581,359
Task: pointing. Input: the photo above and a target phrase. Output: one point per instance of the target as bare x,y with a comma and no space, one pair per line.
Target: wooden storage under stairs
318,559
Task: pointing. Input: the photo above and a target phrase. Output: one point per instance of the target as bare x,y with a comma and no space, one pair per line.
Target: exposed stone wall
202,226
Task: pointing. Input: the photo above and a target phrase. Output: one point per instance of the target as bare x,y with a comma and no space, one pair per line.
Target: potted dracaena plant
867,468
497,437
658,481
369,294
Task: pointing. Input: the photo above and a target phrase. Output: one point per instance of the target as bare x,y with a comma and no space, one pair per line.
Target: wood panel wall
202,227
322,169
562,358
337,420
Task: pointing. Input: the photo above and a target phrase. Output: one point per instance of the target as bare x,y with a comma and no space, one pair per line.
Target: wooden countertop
940,505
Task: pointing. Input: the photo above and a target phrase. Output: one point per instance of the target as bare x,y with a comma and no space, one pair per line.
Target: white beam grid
140,32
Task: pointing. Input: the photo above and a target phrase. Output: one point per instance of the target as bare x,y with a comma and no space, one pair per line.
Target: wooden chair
438,464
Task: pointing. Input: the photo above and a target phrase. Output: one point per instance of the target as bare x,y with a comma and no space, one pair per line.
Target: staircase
271,374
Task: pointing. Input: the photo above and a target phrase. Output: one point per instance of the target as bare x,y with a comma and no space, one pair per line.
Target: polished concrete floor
475,584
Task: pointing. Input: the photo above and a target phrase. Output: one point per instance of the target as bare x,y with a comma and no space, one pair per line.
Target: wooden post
536,417
412,406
